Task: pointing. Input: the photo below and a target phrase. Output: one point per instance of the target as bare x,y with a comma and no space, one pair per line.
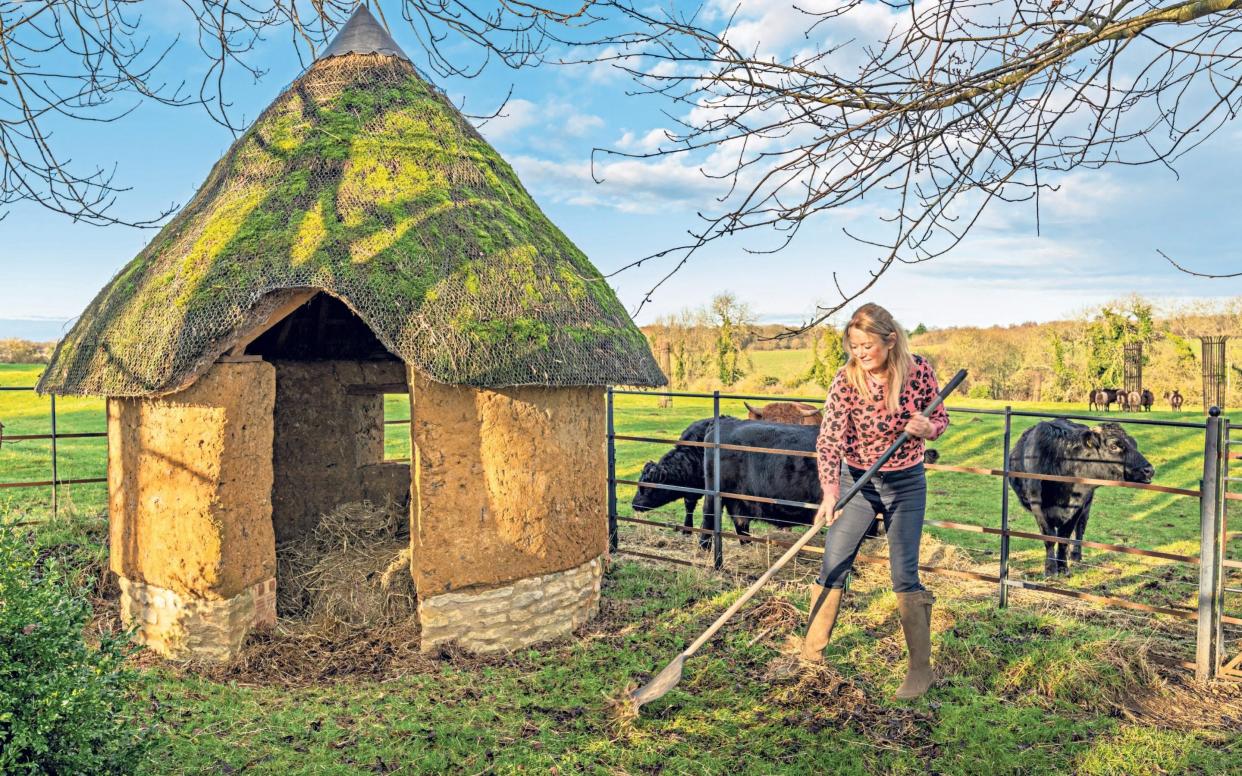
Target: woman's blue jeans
901,497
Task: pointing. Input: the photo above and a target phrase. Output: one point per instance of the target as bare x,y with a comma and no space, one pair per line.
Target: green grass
781,364
1038,688
24,412
1136,518
1019,691
1143,519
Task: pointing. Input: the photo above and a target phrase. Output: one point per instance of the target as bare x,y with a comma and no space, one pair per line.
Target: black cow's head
652,498
1115,454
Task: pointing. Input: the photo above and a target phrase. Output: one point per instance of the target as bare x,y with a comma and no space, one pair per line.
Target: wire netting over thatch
364,181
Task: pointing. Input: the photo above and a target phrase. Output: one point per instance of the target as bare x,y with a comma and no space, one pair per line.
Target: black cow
791,478
1067,449
683,467
788,477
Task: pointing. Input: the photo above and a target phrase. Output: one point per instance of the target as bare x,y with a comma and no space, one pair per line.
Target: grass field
784,365
1047,686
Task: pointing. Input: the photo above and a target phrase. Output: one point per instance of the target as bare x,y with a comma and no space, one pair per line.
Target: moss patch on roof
363,181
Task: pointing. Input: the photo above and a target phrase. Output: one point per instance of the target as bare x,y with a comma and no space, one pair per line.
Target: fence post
1211,528
612,477
717,539
1004,539
55,468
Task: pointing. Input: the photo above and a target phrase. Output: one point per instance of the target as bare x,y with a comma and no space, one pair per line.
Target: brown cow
795,413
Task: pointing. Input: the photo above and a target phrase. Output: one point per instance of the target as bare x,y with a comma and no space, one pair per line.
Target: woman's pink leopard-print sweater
859,429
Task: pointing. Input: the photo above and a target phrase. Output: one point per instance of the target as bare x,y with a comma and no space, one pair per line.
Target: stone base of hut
513,616
182,626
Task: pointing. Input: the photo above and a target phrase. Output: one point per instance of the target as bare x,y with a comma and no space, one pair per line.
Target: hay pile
352,571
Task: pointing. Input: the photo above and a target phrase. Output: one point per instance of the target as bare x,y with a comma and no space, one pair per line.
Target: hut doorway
339,508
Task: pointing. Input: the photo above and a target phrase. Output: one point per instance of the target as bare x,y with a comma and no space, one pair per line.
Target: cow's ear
1091,437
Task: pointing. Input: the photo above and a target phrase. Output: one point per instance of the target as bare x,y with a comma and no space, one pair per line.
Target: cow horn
752,410
807,410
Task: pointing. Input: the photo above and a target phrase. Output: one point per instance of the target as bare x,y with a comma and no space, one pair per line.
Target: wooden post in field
666,364
1211,544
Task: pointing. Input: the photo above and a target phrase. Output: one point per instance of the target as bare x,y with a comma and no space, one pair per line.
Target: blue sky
1099,238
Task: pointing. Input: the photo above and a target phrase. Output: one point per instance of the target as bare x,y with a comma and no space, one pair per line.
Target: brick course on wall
513,616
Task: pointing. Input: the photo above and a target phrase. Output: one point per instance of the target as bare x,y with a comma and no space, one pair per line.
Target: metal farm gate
1228,545
1213,578
56,483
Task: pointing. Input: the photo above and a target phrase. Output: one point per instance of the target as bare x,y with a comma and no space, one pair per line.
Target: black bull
787,477
1063,448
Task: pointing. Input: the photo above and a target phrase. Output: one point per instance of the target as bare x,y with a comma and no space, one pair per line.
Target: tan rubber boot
915,611
824,605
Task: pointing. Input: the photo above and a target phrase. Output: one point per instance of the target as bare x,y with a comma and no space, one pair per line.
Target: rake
668,678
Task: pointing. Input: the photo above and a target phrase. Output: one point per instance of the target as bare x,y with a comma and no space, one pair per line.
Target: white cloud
579,124
628,185
1084,196
522,119
516,116
646,143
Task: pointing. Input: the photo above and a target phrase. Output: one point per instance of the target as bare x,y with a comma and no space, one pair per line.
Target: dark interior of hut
332,485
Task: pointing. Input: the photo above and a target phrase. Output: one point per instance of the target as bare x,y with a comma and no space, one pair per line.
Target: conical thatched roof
361,180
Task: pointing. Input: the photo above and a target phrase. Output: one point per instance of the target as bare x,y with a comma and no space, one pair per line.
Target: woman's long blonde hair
873,319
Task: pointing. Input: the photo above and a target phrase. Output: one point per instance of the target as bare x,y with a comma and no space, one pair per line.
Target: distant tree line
19,351
1065,360
710,347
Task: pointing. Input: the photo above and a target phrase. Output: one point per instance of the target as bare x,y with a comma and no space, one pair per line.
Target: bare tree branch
1198,274
961,104
97,60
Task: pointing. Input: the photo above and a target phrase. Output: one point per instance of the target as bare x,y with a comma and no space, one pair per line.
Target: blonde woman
874,397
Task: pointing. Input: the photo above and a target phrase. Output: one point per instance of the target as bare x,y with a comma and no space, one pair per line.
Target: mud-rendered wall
329,441
509,494
509,483
190,482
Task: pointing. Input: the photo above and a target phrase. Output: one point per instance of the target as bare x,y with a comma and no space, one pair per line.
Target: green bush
980,391
769,381
64,705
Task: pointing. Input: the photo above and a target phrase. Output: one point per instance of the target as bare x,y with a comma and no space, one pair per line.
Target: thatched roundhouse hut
360,239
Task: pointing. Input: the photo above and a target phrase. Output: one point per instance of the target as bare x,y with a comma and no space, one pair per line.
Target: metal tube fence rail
1208,617
56,482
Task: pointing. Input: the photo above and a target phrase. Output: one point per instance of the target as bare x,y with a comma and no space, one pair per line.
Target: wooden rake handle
815,528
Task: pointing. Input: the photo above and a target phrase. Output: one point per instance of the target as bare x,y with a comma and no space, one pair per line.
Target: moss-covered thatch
364,181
